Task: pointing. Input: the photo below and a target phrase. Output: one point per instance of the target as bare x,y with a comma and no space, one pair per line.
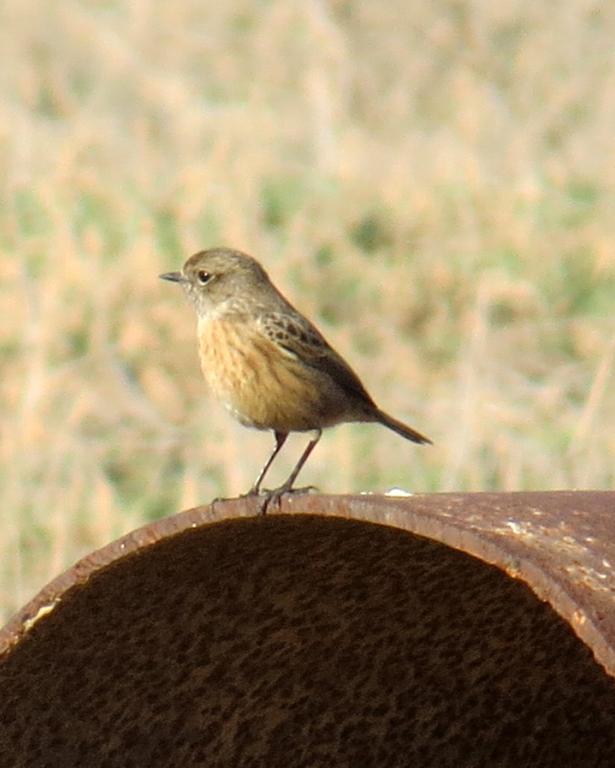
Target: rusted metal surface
561,543
313,635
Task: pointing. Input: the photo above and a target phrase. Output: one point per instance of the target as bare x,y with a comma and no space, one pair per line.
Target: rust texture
338,631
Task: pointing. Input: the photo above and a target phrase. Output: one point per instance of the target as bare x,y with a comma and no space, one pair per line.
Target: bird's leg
288,485
280,439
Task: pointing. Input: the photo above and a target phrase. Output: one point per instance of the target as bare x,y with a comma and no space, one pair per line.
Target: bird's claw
269,495
275,496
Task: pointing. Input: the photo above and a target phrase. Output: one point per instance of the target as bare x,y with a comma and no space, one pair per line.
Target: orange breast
261,384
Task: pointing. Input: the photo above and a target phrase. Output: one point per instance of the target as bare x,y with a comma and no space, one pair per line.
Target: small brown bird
267,363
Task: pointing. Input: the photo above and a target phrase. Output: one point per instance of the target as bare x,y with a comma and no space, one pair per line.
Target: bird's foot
275,496
252,492
247,495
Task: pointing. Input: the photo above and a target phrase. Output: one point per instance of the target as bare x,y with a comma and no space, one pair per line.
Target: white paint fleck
579,617
514,526
43,611
398,492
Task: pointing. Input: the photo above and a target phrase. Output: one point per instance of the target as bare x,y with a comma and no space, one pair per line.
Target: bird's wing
301,340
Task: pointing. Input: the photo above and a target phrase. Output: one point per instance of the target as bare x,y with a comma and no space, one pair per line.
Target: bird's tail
401,428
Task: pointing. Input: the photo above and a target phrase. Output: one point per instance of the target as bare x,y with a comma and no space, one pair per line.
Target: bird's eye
203,277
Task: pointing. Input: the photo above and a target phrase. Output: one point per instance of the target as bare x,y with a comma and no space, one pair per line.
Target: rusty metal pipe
453,629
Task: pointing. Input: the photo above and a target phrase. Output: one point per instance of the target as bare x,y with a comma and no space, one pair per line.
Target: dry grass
432,183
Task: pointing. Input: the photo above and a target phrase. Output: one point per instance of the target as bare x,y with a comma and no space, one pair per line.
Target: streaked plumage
265,361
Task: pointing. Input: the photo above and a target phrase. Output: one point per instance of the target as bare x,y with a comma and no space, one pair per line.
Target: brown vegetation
432,183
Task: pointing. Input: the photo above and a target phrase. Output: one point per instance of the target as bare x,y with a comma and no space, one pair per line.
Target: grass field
432,183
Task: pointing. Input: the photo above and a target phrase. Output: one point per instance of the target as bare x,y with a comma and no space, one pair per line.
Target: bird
267,363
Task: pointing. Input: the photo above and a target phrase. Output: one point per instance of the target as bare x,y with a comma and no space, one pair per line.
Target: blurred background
432,183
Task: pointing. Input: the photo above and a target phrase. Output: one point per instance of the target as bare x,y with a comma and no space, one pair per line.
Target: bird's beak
174,277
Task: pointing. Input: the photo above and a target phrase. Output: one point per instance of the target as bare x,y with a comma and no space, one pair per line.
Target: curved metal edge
51,595
592,623
427,516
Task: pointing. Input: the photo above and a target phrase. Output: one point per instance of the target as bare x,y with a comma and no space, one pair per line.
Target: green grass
432,185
